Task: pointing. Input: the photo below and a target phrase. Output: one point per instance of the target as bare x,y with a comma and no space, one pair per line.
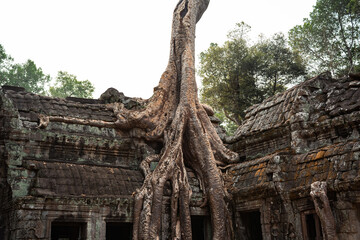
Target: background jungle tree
33,79
330,38
26,75
240,74
67,85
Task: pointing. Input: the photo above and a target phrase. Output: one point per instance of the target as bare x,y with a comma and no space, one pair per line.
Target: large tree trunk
175,116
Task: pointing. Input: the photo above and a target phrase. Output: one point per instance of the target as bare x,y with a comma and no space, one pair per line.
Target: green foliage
279,65
227,79
229,126
32,78
26,75
238,75
5,65
67,85
329,38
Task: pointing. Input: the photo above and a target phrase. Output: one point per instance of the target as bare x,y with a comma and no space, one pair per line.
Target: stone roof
30,105
301,118
314,99
308,133
69,159
65,179
65,159
293,138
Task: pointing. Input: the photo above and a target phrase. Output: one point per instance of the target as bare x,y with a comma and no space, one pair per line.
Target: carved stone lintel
322,207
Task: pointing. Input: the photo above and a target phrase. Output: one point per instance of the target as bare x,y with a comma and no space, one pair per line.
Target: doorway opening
68,231
200,228
119,230
311,225
251,225
2,233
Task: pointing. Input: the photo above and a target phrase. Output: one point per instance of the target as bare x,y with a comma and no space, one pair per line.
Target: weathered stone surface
87,173
68,169
112,95
308,133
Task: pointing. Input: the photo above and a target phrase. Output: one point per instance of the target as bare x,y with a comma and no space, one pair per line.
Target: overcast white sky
125,44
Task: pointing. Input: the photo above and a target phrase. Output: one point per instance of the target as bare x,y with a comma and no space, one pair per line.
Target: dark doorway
200,228
251,225
118,231
311,226
68,231
2,233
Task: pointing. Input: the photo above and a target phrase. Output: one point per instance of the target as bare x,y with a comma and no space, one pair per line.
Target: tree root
175,117
323,210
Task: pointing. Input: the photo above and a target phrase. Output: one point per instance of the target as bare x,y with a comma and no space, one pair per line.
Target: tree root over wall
175,114
323,210
175,117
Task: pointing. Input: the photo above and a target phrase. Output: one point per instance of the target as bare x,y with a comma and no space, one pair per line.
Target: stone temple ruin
62,180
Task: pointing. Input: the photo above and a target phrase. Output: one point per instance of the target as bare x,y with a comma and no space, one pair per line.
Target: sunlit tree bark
174,116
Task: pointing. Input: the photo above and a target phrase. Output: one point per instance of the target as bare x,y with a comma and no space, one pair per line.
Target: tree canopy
67,85
278,66
33,79
29,76
239,74
5,64
330,38
26,75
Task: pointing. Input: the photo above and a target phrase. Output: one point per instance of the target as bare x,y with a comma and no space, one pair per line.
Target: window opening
251,225
311,226
2,233
119,230
200,228
68,231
